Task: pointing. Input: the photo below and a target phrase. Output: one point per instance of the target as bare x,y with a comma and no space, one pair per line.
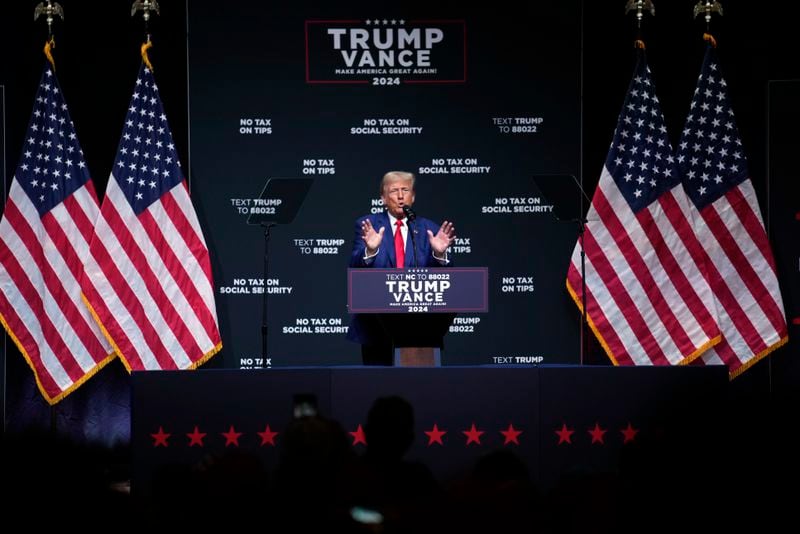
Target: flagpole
50,11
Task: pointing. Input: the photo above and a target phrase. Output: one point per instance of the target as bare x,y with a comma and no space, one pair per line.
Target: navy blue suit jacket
363,328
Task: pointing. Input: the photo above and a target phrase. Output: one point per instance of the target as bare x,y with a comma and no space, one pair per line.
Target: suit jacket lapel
388,238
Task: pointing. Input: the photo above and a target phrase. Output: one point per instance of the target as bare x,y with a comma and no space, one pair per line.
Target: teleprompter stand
570,203
279,202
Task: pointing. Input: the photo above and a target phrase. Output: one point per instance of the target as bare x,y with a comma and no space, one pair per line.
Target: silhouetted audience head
389,429
313,444
404,494
314,454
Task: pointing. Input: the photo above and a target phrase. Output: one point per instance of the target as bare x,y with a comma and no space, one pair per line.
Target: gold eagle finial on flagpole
145,6
707,7
49,9
640,6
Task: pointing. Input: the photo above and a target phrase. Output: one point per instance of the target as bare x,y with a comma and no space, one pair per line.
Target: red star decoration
435,435
473,435
511,434
629,433
565,434
597,434
358,436
196,437
160,438
232,436
268,436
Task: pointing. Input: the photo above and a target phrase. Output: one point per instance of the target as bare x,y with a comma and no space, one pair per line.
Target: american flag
148,279
728,222
44,241
647,300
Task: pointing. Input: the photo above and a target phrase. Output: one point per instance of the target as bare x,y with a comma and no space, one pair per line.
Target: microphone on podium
411,216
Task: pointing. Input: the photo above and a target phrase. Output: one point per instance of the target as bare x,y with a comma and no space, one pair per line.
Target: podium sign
418,290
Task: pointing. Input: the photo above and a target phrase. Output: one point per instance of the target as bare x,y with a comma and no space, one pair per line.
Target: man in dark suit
386,240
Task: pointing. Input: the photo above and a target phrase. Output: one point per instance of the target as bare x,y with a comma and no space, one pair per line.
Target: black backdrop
516,52
500,109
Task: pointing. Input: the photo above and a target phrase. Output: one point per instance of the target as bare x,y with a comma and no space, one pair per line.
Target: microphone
411,216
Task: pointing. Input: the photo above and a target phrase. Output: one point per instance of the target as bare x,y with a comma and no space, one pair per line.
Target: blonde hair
396,176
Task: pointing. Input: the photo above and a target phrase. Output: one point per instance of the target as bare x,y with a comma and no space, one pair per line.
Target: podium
417,338
415,307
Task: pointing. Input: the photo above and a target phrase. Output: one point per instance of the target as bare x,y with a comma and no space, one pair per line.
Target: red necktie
399,247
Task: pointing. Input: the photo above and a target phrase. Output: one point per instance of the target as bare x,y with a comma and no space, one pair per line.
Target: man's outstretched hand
443,238
372,239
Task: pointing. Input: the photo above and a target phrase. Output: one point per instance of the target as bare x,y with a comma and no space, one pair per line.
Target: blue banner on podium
441,290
